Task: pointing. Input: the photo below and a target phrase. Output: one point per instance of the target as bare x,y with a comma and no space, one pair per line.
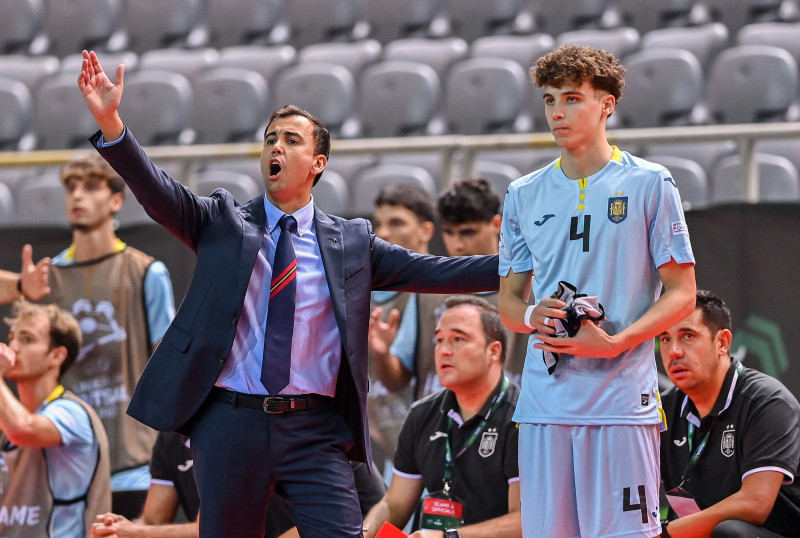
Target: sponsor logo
544,219
645,400
437,435
680,442
183,467
670,180
617,209
680,228
488,443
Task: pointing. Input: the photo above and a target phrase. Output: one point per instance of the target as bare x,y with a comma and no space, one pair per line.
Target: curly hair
573,64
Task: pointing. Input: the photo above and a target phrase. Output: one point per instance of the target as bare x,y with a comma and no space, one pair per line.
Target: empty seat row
63,27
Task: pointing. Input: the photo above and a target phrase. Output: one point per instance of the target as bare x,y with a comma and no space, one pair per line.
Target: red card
390,531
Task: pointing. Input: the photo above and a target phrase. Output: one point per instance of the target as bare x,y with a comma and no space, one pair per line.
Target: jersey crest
617,209
488,443
726,445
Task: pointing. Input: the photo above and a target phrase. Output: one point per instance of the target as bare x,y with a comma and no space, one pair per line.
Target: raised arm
102,96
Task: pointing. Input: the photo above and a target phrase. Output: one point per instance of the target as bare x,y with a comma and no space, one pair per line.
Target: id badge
439,513
682,502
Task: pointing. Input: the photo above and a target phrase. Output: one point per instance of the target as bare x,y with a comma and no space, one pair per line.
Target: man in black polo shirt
469,421
731,456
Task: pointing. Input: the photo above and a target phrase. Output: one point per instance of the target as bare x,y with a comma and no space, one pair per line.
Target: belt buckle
275,405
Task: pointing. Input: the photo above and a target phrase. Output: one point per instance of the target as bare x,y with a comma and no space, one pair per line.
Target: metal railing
460,150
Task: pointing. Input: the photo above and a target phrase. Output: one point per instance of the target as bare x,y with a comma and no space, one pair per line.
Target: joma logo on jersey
488,442
617,209
726,445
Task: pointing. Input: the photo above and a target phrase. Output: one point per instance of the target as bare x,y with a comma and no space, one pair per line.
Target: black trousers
242,456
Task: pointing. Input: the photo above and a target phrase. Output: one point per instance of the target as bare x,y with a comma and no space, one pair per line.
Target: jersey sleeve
669,234
511,456
514,253
71,421
771,439
404,345
405,461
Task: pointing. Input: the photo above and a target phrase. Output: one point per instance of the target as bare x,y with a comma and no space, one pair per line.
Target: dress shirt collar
304,216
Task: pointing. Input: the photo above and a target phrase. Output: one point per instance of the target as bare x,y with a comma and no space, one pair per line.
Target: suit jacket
226,238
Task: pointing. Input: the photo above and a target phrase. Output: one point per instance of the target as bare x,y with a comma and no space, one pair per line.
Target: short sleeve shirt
754,426
482,474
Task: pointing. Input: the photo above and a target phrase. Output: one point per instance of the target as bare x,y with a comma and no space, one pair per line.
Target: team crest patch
726,445
488,442
617,209
680,228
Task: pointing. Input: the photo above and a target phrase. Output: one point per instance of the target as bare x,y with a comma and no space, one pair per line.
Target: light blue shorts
590,481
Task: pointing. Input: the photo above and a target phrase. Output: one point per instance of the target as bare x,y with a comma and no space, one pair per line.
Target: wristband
528,312
664,531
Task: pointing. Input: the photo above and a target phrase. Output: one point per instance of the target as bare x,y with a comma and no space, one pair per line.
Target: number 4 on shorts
641,505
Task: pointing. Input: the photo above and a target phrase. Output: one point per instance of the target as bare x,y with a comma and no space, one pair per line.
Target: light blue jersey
607,235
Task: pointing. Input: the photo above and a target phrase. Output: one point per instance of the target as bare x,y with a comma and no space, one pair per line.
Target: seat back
397,98
40,200
61,119
779,180
371,181
157,106
17,106
389,19
705,41
354,56
74,25
619,41
229,105
752,83
331,194
236,22
690,178
471,19
266,61
440,54
156,24
20,24
318,21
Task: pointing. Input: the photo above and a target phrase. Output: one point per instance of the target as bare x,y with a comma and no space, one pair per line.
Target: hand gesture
102,96
34,277
7,359
115,526
382,334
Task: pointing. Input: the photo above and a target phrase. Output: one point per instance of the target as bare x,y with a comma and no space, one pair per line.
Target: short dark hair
468,200
322,137
93,166
716,314
493,329
574,64
64,328
412,198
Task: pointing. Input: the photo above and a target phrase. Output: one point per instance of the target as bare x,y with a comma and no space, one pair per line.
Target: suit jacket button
235,320
221,360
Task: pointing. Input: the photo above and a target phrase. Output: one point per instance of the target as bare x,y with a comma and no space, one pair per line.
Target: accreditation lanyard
449,459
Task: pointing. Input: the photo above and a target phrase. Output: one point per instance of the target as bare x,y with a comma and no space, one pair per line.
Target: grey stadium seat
523,49
398,98
267,61
132,212
370,182
40,200
619,41
6,205
704,41
690,177
785,147
777,34
752,83
389,19
229,105
556,17
241,186
471,19
31,70
236,22
61,119
20,25
17,110
157,106
188,63
318,21
735,15
155,24
485,95
355,56
440,54
646,16
74,25
498,174
662,87
779,180
327,91
331,194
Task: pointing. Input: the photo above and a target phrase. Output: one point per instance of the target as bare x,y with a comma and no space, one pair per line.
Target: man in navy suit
205,377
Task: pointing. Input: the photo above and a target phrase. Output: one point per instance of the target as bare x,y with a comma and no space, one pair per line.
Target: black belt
271,405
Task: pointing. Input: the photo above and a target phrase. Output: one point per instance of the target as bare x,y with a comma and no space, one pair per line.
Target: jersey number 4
641,505
575,235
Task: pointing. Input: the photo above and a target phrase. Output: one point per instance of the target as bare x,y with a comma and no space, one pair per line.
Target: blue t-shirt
607,235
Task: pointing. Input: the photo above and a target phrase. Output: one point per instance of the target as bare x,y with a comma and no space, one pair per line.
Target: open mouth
274,168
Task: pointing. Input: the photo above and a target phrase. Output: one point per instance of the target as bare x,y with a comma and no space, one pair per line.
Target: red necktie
280,312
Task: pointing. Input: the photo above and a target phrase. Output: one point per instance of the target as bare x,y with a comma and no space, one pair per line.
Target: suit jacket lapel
255,215
331,248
